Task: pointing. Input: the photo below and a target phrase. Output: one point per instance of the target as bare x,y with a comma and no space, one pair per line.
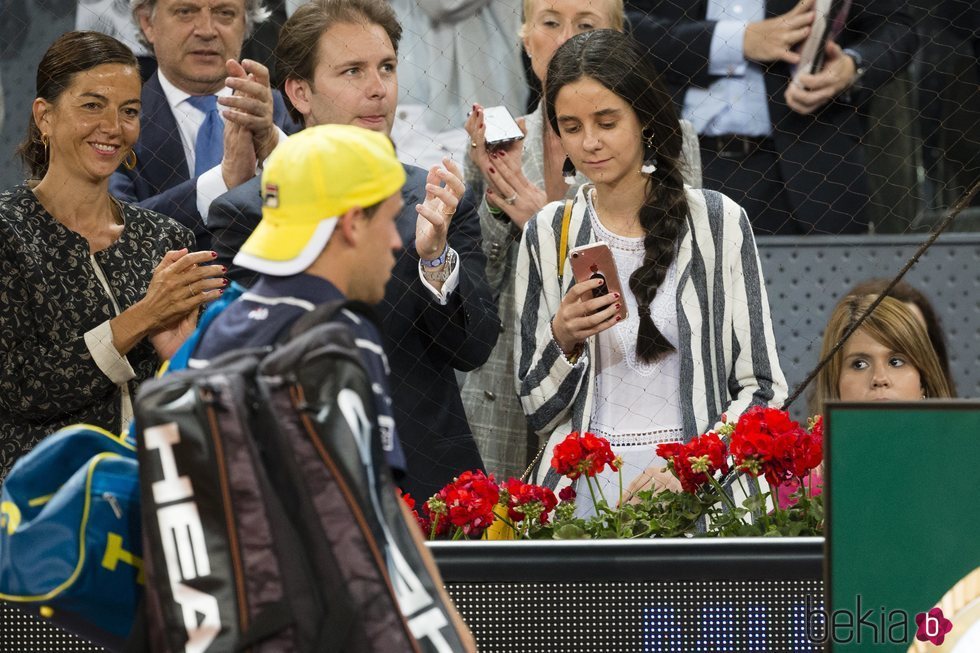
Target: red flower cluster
695,461
466,503
410,502
583,454
527,500
766,441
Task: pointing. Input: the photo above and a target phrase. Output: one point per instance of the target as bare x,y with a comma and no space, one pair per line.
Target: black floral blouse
50,296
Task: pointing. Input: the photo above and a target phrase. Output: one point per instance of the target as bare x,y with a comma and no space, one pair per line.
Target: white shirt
637,404
635,398
736,102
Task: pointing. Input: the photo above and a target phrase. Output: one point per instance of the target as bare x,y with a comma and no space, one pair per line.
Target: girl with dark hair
698,340
96,292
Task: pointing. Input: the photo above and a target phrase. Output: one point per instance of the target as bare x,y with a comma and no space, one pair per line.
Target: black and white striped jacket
728,352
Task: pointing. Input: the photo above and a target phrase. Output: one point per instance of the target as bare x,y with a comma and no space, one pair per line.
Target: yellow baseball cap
310,180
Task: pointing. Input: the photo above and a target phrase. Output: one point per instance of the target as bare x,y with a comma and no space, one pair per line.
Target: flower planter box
678,595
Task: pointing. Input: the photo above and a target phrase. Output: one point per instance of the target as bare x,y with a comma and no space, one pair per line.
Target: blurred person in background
789,153
96,292
453,53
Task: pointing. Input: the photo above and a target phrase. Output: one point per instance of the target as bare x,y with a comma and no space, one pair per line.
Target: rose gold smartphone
593,261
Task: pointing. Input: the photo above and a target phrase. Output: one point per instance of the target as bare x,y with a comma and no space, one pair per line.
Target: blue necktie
210,137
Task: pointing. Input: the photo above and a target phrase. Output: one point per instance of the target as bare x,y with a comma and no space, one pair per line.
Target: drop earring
568,171
46,144
649,154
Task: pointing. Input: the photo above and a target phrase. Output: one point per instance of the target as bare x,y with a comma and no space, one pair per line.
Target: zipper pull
113,503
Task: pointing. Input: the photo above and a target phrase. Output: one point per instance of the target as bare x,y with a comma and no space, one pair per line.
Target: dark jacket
425,342
262,317
820,155
51,297
160,180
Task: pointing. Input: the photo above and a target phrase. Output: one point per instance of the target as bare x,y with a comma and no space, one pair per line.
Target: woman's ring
472,143
510,200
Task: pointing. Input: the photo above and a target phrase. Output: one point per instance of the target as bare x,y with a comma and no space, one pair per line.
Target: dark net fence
845,193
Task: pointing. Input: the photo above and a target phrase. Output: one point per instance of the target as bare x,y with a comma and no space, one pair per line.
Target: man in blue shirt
331,196
787,148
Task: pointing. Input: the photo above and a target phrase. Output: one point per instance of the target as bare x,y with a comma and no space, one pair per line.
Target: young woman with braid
698,339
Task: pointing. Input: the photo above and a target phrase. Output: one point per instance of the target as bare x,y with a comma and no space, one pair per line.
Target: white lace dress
637,404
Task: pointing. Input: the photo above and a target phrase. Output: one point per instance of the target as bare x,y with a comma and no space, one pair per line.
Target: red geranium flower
583,454
525,500
466,503
567,493
695,461
767,441
409,500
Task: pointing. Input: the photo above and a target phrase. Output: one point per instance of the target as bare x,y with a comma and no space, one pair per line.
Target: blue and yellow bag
70,547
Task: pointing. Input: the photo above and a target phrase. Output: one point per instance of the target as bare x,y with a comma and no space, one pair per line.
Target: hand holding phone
595,261
501,128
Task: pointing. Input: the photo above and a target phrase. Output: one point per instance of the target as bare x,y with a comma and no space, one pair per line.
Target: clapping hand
251,105
444,189
181,284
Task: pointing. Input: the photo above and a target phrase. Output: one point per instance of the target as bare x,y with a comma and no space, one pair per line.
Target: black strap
336,629
139,639
272,619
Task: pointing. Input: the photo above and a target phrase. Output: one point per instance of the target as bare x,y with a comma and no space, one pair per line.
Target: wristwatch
860,67
435,262
442,274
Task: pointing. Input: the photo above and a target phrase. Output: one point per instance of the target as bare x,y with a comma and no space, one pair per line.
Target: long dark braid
615,61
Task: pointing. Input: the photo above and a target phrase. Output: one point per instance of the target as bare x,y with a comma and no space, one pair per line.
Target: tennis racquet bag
270,519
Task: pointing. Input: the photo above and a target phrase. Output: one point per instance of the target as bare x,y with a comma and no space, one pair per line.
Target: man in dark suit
199,86
437,315
790,153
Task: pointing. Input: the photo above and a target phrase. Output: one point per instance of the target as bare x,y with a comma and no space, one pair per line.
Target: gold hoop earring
130,160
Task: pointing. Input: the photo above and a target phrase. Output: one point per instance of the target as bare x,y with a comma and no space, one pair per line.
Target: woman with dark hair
519,179
95,292
924,312
697,341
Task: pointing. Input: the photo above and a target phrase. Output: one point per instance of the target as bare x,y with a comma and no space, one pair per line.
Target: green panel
903,483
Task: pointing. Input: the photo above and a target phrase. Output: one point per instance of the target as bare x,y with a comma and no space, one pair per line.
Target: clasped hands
250,131
778,38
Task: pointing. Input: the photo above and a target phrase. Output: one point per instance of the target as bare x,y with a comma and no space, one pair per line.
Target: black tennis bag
270,519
